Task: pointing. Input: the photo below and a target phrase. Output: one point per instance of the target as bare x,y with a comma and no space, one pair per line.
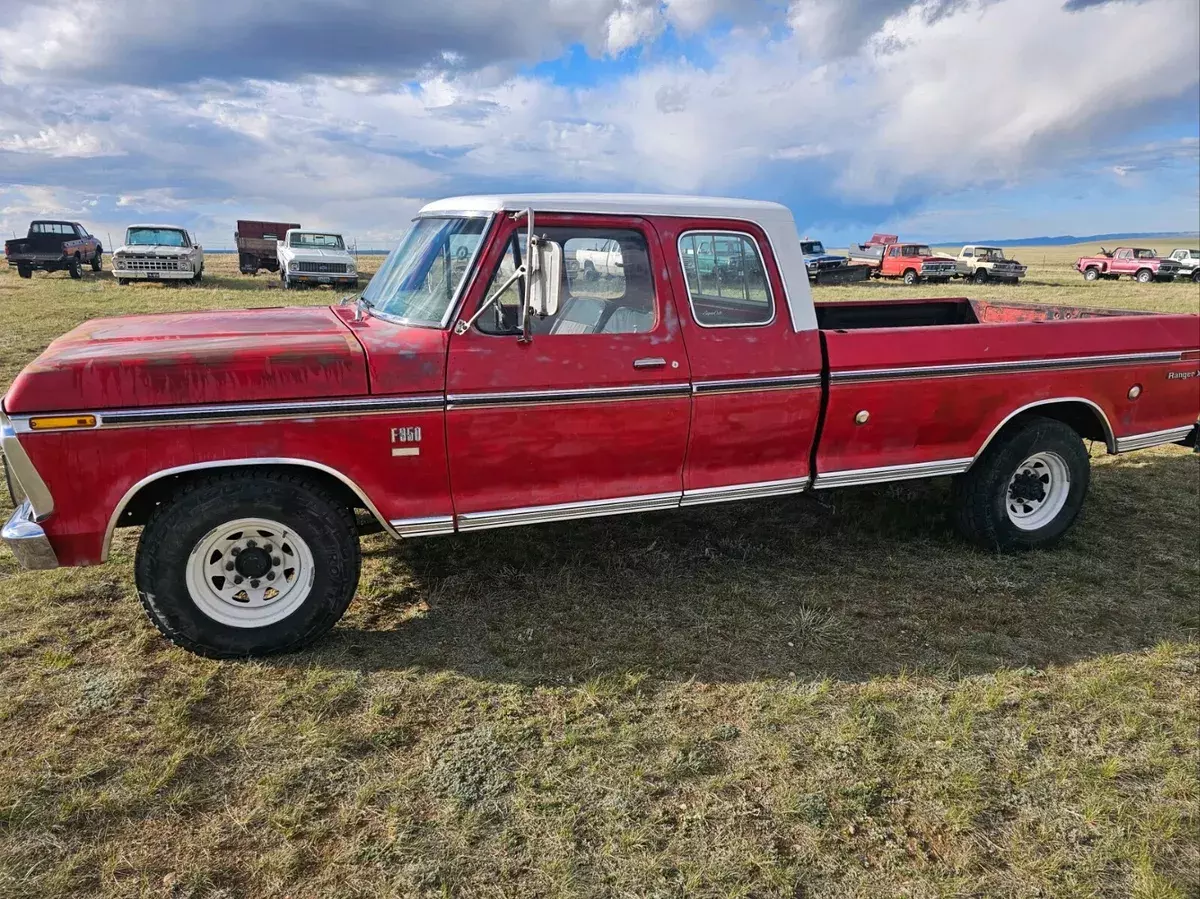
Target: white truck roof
158,227
774,218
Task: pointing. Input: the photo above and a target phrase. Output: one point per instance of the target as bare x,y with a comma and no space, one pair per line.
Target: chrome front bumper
27,541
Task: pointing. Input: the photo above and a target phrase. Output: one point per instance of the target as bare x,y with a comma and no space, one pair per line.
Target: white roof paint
159,227
774,218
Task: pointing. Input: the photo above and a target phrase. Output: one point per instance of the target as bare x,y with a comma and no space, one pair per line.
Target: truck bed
921,313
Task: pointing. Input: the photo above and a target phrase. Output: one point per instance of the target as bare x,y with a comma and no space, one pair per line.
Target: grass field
827,695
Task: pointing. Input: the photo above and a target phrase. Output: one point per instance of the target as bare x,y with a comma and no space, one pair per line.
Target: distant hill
1067,239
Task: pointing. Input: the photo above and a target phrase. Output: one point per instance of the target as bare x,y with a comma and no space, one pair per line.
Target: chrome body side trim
703,495
423,527
1017,366
235,463
743,385
854,477
41,502
1153,438
27,541
477,521
1109,440
574,395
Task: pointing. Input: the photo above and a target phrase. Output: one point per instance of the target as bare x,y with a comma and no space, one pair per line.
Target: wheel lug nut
254,583
229,566
237,579
235,551
275,560
267,547
251,544
270,575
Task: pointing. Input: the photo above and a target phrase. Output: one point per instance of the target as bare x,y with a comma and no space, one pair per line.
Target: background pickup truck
158,253
506,389
983,264
1189,262
1141,264
914,262
258,244
53,246
316,257
826,268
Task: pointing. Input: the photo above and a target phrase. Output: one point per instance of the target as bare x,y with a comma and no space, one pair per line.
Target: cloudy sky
967,119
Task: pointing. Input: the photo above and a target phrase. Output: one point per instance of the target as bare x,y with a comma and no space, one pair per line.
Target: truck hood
175,359
152,250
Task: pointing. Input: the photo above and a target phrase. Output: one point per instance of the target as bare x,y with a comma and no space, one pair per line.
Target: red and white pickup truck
493,387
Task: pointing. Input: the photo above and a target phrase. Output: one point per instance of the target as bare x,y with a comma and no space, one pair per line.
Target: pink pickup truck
478,382
1141,264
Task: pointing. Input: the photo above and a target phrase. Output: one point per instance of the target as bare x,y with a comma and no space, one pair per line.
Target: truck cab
310,258
480,382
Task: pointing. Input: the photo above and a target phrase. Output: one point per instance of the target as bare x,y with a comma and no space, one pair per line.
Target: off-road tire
98,261
911,277
24,271
1144,276
75,268
177,526
980,495
1091,274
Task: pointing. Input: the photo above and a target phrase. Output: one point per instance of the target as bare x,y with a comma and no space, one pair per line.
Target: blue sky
935,119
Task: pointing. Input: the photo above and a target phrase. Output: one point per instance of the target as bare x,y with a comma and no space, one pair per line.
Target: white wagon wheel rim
1037,491
250,572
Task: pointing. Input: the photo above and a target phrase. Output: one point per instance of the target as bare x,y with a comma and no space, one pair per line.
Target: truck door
591,416
756,381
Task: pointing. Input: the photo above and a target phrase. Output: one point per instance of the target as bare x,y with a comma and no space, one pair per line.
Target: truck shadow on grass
847,584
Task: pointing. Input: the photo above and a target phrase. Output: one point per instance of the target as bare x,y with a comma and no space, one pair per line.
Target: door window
726,280
608,285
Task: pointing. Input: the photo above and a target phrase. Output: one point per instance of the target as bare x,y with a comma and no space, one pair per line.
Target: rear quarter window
726,279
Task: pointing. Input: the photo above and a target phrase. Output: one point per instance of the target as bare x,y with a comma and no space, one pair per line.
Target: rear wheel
1026,489
75,268
911,277
1144,276
24,271
244,564
1091,275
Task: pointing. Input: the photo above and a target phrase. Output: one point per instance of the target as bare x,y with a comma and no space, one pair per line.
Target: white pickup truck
982,264
158,253
315,257
1189,261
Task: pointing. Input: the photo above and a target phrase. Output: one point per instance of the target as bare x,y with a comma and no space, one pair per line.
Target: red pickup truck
478,383
914,262
1143,265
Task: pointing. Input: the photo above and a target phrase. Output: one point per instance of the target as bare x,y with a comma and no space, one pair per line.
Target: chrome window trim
854,477
1152,438
235,463
1017,366
573,395
744,385
761,259
41,501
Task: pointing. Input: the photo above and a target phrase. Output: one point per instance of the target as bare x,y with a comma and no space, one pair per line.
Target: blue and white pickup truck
826,268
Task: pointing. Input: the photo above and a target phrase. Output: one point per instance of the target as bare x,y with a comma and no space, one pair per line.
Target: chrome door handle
654,362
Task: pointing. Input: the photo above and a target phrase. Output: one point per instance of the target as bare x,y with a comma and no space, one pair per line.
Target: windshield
155,237
311,241
992,254
421,277
812,248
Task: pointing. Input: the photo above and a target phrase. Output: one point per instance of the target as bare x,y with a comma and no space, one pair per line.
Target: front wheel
122,281
981,276
247,564
911,277
1091,275
1026,489
1196,276
199,276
